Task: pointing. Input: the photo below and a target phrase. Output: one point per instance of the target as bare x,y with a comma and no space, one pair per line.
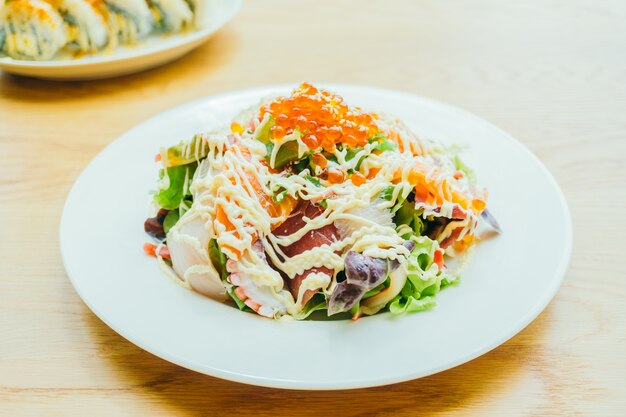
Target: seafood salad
305,203
40,29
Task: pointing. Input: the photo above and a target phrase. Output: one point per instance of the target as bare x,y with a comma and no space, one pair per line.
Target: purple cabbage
491,221
363,273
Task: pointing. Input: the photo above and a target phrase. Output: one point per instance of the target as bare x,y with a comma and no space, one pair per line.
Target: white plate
154,51
508,282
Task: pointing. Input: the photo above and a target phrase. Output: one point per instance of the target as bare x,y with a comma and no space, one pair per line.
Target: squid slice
363,216
188,243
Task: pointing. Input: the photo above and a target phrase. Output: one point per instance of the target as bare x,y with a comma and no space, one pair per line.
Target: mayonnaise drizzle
233,183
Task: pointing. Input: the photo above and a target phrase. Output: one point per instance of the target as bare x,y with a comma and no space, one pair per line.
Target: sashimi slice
315,238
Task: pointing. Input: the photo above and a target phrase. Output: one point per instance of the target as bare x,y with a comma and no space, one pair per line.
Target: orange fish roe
336,176
322,118
358,179
319,160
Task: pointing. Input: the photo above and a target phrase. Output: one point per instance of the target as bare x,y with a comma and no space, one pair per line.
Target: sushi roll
32,29
86,22
171,15
130,20
3,33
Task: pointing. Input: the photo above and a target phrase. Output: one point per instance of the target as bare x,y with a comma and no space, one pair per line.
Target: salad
305,203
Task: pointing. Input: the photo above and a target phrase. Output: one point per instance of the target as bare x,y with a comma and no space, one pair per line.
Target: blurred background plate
154,51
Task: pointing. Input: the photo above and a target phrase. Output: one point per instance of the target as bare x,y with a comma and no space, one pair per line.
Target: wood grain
551,72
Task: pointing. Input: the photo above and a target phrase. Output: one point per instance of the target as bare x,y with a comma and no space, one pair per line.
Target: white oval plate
508,282
154,51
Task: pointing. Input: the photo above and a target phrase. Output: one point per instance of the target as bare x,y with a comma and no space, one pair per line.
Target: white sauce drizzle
234,179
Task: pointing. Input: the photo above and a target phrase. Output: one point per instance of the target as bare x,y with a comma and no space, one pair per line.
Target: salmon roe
335,176
319,160
358,179
322,117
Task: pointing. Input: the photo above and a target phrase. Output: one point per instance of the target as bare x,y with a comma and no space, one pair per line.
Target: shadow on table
208,58
191,393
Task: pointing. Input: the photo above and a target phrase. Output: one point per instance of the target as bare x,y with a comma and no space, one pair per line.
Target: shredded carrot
422,194
478,205
438,258
150,249
395,137
222,217
372,173
415,177
464,243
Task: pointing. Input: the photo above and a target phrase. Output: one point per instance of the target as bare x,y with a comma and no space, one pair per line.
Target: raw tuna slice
318,237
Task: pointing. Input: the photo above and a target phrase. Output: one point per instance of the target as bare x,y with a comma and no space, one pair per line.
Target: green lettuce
424,280
230,289
411,304
387,193
407,214
262,132
218,259
317,302
185,153
170,220
178,186
384,146
460,166
288,152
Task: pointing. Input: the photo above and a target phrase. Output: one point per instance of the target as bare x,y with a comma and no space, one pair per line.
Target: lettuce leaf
185,153
424,279
230,289
460,166
316,303
170,220
262,132
387,193
287,153
385,145
411,304
179,176
218,259
407,214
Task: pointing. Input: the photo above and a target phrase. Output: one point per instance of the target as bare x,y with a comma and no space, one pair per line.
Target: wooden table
553,73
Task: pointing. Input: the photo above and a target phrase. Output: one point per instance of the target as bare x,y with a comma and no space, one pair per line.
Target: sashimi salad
305,203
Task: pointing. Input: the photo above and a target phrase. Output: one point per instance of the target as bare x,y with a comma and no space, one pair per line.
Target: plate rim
301,384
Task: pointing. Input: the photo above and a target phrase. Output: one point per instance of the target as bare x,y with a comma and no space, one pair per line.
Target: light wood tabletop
552,73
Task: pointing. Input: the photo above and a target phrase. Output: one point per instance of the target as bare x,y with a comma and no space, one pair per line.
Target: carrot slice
438,258
150,249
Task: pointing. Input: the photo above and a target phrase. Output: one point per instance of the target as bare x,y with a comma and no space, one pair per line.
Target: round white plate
154,51
508,282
